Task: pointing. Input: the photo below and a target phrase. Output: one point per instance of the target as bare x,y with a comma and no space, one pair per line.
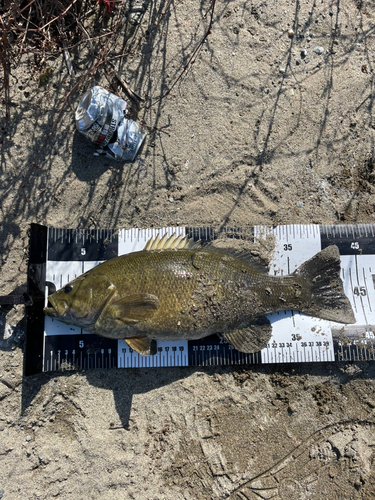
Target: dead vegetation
43,29
107,31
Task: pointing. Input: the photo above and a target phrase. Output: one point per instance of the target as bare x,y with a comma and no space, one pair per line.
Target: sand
253,133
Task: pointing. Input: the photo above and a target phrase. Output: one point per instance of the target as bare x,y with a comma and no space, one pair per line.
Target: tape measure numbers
59,255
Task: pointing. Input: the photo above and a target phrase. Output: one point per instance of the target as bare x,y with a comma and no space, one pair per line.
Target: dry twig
191,58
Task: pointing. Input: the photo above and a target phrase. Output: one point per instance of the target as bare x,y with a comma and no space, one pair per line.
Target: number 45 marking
359,290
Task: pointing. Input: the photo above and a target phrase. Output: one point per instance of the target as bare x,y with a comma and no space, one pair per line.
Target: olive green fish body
190,293
199,292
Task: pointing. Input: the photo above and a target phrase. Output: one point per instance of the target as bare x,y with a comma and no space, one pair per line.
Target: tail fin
328,300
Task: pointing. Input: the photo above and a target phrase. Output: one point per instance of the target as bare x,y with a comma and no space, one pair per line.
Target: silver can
98,115
125,143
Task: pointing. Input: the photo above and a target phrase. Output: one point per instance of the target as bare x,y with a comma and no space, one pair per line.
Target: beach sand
260,129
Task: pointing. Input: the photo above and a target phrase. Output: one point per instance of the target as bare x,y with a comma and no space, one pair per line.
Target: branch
190,61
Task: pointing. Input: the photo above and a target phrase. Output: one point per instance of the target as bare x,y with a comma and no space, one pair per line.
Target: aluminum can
98,115
126,142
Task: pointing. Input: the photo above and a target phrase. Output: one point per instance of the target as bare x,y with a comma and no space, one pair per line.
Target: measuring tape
59,255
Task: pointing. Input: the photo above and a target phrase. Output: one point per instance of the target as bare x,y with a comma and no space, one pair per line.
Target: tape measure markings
68,253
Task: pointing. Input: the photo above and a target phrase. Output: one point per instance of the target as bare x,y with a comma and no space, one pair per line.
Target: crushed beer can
100,116
125,142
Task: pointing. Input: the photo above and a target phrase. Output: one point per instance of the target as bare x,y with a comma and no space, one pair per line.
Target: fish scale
56,256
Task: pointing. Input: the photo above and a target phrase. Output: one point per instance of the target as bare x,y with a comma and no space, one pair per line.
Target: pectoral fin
252,338
143,345
134,308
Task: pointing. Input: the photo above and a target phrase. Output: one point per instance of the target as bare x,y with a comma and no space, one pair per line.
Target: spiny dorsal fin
172,243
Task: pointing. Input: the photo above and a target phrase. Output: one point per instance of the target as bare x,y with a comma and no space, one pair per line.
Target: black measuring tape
54,252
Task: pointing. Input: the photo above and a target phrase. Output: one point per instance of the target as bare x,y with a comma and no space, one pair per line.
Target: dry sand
254,133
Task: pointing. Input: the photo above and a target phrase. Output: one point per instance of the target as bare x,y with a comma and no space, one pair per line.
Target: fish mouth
53,309
57,308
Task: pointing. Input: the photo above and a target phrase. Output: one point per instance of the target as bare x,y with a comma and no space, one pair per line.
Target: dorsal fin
251,258
172,243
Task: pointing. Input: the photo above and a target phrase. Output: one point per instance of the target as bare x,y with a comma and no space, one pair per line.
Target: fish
176,289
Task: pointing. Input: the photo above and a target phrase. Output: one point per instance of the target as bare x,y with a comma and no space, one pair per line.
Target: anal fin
142,345
252,338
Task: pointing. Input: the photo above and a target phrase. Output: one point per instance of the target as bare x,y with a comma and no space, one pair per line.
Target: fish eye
68,289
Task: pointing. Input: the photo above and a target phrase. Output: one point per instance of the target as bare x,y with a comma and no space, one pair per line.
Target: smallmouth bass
175,290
